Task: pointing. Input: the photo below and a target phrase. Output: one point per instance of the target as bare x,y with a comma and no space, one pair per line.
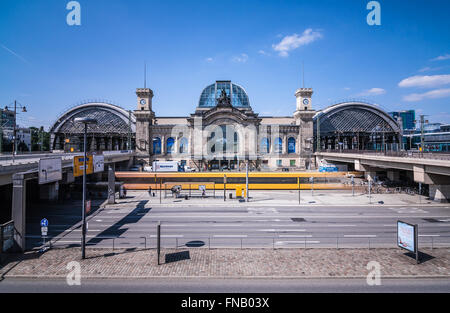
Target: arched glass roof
354,117
237,94
111,119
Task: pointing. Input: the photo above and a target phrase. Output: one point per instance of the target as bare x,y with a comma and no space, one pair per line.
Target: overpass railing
403,154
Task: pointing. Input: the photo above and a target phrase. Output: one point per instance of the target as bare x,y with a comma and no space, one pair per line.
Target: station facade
224,132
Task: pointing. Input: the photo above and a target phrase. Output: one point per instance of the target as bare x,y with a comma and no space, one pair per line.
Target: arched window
278,145
236,143
184,145
156,145
265,145
291,145
170,145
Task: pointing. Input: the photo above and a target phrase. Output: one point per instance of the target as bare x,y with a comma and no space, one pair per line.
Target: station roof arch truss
355,117
111,119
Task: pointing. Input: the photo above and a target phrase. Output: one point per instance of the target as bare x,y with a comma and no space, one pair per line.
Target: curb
56,277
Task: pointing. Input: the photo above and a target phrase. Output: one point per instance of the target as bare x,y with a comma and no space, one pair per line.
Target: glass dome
237,94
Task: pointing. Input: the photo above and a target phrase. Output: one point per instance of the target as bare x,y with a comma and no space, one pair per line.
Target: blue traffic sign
44,222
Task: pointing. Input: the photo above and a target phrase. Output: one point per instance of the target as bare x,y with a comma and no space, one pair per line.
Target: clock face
305,101
143,101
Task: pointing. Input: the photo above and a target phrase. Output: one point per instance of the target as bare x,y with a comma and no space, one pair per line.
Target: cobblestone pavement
228,263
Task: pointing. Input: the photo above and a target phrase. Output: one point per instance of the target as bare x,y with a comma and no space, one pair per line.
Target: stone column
393,176
163,144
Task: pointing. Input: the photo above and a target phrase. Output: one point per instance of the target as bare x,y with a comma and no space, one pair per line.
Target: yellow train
233,180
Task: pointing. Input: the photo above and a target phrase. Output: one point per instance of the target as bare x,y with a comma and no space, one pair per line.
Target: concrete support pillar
93,144
49,192
440,193
111,184
19,210
393,175
102,144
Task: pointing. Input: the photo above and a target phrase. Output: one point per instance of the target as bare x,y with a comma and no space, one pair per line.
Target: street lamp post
24,110
85,121
246,180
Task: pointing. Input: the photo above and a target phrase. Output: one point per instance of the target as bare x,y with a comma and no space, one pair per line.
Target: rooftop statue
224,100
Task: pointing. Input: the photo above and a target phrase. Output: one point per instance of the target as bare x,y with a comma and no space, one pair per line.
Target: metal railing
354,241
391,153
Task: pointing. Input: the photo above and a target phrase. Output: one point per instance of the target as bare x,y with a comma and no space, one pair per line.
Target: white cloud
433,94
373,92
262,52
294,41
347,88
242,58
209,60
442,57
425,81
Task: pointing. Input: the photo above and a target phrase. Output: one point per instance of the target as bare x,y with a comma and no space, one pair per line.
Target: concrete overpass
25,168
30,162
430,169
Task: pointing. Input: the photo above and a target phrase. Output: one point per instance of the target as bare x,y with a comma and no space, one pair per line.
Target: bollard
158,231
114,239
337,242
369,243
241,243
431,243
273,243
209,243
176,243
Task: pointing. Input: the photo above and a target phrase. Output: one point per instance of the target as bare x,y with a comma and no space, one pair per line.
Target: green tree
40,139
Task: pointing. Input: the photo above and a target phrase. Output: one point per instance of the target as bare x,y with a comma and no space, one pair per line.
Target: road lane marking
360,236
295,241
429,235
230,236
282,230
295,236
168,236
333,225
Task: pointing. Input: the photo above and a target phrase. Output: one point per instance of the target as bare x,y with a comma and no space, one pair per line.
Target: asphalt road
235,226
226,286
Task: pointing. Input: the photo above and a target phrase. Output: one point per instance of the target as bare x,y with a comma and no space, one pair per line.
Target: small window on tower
306,108
142,108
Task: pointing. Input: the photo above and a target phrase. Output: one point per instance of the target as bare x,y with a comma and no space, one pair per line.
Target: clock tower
144,121
303,117
303,96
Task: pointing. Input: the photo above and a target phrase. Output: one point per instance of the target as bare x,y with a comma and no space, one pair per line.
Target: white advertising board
99,163
406,236
50,170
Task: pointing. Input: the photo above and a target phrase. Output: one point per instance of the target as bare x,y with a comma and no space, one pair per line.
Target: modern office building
406,117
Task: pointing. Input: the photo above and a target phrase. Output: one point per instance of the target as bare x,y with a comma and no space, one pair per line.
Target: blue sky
48,66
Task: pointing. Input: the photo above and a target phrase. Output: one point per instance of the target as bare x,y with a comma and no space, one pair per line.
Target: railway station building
224,130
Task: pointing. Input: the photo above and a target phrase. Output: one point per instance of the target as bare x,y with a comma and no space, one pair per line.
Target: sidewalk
227,263
289,198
